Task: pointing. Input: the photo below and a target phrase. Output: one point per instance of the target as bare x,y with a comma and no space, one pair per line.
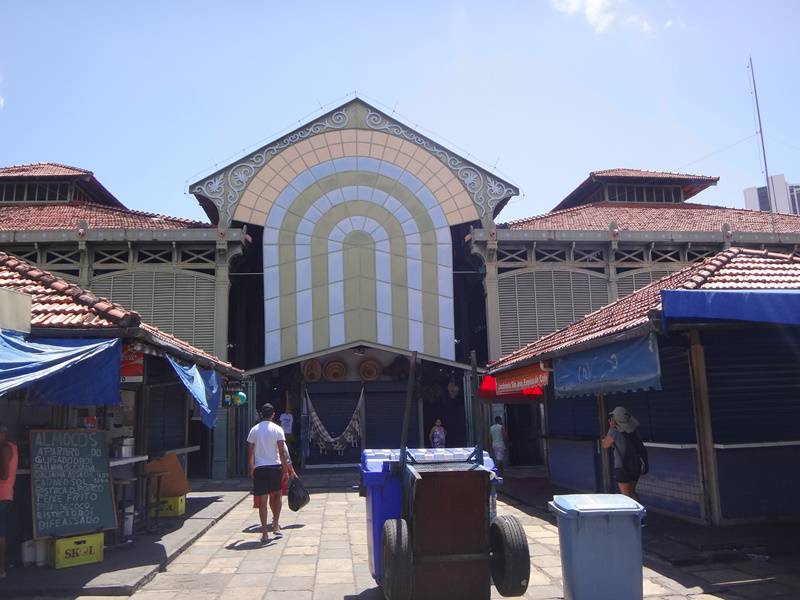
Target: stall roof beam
351,345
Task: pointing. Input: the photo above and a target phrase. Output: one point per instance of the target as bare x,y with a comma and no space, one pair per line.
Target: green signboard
71,486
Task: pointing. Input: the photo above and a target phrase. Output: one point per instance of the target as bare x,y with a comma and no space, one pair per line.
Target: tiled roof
58,304
659,217
735,268
35,216
42,170
644,174
588,188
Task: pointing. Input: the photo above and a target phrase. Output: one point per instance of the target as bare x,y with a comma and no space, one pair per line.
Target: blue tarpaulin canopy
204,386
65,371
623,366
762,306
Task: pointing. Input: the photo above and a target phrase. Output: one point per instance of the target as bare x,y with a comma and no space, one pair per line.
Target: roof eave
627,334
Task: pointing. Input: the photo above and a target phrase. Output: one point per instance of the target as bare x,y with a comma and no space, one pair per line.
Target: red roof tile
659,217
735,268
35,217
58,304
42,170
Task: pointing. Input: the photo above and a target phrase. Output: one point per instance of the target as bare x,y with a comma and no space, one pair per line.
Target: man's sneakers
276,531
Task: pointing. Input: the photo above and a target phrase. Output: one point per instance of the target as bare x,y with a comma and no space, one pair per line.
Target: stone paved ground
324,556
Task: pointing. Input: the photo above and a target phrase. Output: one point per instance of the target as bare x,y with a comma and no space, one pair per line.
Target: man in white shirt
268,460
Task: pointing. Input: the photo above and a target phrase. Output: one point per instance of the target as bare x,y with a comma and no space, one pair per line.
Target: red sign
132,367
514,382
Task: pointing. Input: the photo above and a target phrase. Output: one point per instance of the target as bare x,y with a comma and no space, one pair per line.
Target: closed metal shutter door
181,304
535,303
385,408
166,419
754,384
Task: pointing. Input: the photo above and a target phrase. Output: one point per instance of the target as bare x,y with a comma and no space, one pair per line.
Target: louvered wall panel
535,303
179,303
629,283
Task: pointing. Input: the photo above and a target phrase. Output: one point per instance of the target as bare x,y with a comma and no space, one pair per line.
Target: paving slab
124,570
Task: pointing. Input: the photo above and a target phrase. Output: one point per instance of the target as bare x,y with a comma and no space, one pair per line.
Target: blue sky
151,95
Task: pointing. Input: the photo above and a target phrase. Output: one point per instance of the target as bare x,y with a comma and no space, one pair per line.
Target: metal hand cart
430,531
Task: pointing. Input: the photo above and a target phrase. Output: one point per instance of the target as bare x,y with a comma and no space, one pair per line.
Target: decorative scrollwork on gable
486,191
224,189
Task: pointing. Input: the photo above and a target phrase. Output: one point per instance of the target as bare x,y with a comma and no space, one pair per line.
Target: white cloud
2,102
668,24
602,15
639,22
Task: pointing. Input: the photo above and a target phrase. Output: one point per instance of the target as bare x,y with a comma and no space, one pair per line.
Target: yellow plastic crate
171,506
77,550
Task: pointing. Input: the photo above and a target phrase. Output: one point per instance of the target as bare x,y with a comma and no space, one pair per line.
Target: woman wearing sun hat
630,455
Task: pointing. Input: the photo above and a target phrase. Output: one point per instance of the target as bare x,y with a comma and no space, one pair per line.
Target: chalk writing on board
71,483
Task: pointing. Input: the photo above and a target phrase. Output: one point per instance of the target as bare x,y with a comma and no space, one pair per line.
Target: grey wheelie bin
601,546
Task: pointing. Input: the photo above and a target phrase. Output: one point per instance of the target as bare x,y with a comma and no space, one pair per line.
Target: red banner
513,382
132,366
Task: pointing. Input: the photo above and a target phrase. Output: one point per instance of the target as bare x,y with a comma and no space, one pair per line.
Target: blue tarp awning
205,387
623,366
64,371
761,306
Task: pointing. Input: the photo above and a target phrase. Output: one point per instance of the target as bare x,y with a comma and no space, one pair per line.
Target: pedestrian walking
438,434
9,459
630,455
500,442
268,460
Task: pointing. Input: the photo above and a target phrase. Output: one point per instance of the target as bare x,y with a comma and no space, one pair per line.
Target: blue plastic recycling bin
601,545
384,493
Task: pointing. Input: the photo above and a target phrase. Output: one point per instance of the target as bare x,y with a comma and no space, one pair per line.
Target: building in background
359,259
785,196
173,272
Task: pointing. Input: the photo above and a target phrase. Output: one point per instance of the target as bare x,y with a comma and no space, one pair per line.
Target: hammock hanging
322,438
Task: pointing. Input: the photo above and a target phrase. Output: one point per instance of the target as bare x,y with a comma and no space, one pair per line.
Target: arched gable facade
356,210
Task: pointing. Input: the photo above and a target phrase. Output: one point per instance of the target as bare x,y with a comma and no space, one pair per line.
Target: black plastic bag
298,495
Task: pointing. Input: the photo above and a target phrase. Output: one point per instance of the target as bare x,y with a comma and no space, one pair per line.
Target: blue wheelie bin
601,545
382,486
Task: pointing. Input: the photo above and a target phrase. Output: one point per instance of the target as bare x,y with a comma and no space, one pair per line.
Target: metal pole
770,191
412,372
477,409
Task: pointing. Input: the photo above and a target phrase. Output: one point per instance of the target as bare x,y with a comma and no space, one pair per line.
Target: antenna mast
770,192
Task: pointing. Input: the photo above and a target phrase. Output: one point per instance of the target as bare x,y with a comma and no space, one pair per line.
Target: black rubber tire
511,559
397,576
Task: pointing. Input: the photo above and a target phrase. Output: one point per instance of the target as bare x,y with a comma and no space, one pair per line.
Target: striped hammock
325,442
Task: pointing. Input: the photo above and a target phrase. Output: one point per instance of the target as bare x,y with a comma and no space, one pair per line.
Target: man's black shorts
267,479
5,517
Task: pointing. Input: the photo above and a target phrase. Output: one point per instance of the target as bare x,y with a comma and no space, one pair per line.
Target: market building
174,272
706,359
619,230
75,363
358,225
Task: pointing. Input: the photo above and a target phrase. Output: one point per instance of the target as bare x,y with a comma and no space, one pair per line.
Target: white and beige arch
357,244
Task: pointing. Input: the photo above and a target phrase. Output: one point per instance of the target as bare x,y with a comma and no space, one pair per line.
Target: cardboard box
77,550
171,506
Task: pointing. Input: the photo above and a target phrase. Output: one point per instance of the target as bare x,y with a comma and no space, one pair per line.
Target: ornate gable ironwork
225,187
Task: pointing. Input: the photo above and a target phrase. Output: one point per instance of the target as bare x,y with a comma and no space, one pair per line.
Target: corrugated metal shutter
535,303
180,303
627,283
665,416
384,408
754,384
166,419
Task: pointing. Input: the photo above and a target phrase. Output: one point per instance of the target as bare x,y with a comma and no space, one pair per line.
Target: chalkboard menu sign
71,485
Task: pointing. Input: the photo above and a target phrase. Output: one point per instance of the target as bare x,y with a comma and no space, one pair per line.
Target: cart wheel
397,580
511,559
